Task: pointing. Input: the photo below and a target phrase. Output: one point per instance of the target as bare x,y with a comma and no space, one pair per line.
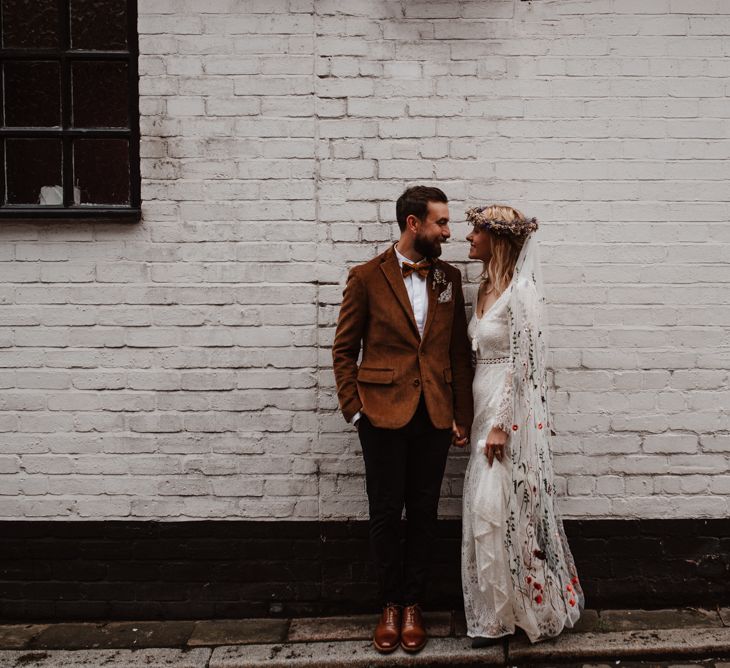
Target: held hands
496,444
459,435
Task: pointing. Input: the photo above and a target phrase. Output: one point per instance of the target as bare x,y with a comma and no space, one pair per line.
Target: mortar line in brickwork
317,222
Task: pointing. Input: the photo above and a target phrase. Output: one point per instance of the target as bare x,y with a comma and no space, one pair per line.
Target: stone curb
345,641
648,644
109,658
354,654
656,643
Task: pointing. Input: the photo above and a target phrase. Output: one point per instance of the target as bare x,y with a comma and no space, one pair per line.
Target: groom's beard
426,247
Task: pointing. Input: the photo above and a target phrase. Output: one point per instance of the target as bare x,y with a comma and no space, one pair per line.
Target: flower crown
520,228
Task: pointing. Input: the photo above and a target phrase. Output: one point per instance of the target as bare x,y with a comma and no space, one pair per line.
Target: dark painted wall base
54,571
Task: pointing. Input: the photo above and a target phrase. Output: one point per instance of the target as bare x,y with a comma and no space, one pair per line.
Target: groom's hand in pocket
459,435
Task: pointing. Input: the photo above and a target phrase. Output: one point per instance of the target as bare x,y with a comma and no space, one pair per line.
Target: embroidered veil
523,555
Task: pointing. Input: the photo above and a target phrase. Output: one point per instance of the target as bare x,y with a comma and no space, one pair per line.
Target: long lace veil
540,561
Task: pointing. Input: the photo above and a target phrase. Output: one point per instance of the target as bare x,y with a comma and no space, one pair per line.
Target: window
69,130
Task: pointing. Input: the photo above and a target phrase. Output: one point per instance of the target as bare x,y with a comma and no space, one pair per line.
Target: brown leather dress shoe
413,633
387,633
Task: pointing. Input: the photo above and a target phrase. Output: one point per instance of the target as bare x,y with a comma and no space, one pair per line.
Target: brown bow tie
422,269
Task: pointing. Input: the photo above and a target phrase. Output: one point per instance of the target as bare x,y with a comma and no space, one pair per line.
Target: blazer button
416,382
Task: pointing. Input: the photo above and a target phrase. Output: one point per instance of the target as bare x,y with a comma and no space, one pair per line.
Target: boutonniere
445,295
439,278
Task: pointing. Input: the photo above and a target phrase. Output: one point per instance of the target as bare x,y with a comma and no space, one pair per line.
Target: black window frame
66,56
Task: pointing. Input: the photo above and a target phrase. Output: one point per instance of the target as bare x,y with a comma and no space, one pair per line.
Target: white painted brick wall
180,368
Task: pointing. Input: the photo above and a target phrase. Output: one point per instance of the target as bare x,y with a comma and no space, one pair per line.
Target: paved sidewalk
615,635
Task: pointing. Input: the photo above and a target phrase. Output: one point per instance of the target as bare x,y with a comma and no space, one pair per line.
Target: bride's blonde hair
505,248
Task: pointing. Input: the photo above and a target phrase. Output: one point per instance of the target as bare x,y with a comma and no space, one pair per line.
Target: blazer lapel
393,273
431,300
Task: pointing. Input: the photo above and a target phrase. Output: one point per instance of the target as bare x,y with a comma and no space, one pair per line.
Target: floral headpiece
519,228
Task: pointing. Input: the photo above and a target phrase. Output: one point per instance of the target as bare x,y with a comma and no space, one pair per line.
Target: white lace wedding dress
517,569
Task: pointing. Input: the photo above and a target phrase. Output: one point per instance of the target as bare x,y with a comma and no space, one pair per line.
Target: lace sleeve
503,417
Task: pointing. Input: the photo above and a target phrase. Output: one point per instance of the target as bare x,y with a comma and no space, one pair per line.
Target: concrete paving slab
109,658
353,654
113,635
357,627
624,644
216,632
637,620
438,624
17,636
459,623
589,621
317,629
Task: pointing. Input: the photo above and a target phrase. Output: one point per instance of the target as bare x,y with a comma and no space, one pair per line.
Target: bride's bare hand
496,445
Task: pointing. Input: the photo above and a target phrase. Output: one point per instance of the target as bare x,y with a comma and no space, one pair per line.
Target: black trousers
403,467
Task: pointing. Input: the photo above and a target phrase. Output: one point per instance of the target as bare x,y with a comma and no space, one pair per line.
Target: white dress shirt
417,289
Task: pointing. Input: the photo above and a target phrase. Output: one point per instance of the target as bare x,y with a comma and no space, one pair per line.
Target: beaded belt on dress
492,360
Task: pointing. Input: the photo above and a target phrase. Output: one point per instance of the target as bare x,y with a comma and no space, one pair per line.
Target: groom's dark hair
414,202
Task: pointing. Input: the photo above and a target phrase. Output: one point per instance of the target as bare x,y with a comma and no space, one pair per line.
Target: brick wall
179,368
137,570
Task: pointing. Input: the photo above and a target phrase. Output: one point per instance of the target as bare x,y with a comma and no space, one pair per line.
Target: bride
517,568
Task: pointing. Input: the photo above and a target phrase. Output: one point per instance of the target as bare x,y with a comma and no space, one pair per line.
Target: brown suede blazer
397,365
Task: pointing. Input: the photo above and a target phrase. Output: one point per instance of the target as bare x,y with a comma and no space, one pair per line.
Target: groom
410,398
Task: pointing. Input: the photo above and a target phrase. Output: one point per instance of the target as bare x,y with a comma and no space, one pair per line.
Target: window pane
32,94
100,94
101,170
34,171
30,24
99,24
